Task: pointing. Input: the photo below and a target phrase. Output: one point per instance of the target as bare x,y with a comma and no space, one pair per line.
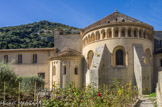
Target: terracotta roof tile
67,52
113,18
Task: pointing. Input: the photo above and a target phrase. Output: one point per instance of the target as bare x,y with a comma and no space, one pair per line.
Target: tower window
123,20
135,33
144,35
35,58
116,33
161,62
64,70
6,59
42,75
119,57
76,71
140,34
54,70
110,35
123,33
19,59
129,33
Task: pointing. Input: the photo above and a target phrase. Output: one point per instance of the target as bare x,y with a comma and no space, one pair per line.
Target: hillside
34,35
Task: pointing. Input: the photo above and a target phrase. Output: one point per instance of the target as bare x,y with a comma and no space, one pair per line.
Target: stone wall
142,70
159,90
62,80
96,70
72,41
123,73
27,67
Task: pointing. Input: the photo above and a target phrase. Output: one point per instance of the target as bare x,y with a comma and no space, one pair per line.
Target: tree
28,84
8,77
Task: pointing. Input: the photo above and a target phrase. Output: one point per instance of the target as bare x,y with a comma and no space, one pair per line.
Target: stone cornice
117,38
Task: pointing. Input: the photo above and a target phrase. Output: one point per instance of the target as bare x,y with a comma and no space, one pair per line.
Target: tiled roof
67,52
113,18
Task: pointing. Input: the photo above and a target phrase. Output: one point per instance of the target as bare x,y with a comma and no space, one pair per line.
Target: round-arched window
89,58
119,57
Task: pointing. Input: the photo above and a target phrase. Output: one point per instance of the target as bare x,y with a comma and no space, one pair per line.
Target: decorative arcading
117,32
143,25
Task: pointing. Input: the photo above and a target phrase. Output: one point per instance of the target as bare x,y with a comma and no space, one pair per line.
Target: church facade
115,47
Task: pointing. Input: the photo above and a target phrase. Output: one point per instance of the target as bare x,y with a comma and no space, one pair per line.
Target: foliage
152,94
8,77
34,35
11,81
115,95
28,84
152,97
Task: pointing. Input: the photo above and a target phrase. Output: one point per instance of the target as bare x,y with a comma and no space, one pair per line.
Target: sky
77,13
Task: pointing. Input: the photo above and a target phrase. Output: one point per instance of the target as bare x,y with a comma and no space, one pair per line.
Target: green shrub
9,77
114,95
28,84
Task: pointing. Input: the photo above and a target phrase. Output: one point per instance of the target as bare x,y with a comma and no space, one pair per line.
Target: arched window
103,34
93,37
144,35
86,41
119,57
54,70
76,71
110,34
123,20
89,58
64,68
140,34
135,33
129,33
116,33
89,38
123,33
98,35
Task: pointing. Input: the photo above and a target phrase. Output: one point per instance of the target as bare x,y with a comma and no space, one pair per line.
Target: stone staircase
145,102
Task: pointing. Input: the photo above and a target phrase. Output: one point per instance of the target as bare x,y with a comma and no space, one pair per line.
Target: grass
152,97
152,94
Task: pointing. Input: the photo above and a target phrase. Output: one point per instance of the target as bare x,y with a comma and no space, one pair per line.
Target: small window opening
64,70
76,71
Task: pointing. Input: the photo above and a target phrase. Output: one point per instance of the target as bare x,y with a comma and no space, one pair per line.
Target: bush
28,84
114,95
9,77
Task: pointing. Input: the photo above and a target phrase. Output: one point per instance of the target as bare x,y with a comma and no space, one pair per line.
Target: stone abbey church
117,46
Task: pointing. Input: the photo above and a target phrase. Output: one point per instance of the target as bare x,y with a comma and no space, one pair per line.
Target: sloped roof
67,52
113,18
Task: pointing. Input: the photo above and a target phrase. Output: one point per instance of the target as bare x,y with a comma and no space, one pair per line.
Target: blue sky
77,13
